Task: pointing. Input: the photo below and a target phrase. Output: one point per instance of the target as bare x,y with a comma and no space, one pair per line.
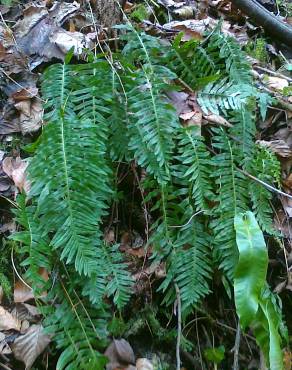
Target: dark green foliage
96,116
266,167
232,197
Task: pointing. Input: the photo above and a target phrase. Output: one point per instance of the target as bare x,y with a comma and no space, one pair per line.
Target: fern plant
195,186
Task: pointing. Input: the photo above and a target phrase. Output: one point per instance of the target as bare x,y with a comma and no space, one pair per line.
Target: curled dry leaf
195,29
22,293
15,169
120,354
8,321
25,311
31,115
279,147
144,364
29,346
218,120
276,83
66,40
4,347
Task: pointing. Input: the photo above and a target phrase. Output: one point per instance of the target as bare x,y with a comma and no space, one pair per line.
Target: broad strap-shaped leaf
269,329
251,270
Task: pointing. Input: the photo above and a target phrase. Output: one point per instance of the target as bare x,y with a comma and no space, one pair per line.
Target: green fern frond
220,97
34,245
119,123
71,185
78,329
243,134
193,265
266,167
153,121
232,197
237,67
195,169
194,64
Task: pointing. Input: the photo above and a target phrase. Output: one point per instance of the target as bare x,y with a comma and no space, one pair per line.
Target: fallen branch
262,17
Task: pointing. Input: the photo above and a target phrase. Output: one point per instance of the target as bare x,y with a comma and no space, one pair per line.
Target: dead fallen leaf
22,293
218,120
4,347
67,40
25,311
31,115
7,321
276,83
144,364
29,346
195,29
15,169
119,353
280,147
287,360
287,205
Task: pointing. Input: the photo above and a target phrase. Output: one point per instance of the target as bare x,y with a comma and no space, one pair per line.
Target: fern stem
178,339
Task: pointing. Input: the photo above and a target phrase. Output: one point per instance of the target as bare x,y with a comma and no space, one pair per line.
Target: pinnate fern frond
222,96
266,167
34,245
153,121
196,164
71,190
232,197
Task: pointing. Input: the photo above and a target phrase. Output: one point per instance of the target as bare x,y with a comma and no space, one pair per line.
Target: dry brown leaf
144,364
31,115
287,360
218,120
279,147
22,293
287,205
25,311
119,353
4,347
1,294
195,29
29,346
276,83
25,94
15,169
8,321
66,40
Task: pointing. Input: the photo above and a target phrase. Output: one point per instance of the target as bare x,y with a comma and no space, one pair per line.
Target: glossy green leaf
267,328
251,270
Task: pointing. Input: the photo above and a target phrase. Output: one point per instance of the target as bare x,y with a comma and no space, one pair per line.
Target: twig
5,366
236,348
17,273
270,187
273,73
232,329
178,362
18,84
189,221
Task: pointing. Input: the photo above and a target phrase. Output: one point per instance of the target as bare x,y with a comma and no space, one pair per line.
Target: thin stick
189,221
17,273
23,88
236,348
273,73
5,366
270,187
178,362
